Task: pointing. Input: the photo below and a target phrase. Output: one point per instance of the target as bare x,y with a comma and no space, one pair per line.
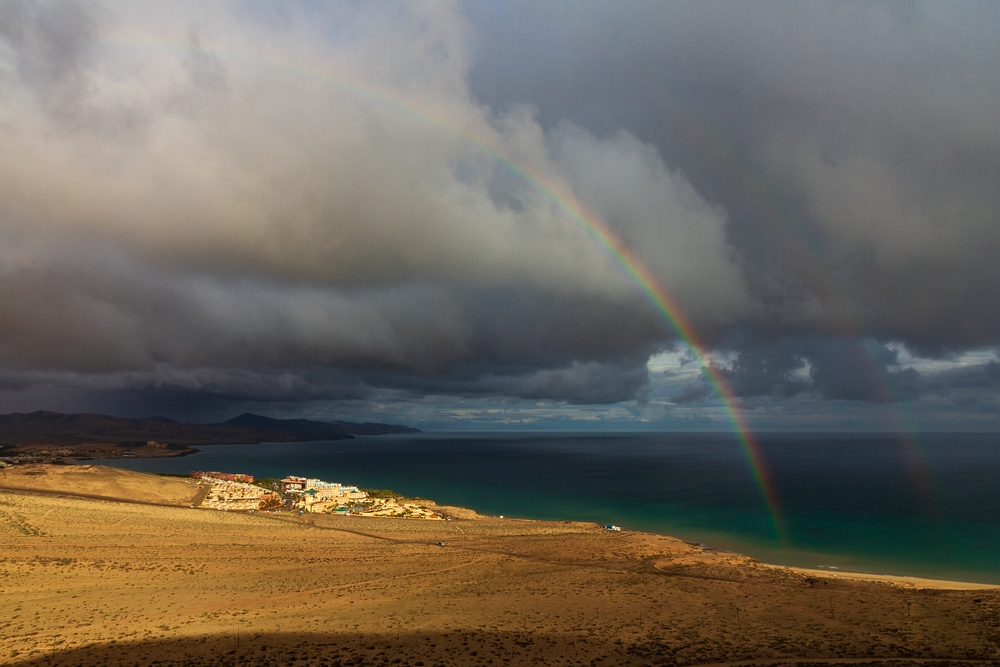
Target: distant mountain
58,428
250,420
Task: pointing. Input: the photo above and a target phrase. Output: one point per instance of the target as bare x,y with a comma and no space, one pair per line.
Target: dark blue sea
925,505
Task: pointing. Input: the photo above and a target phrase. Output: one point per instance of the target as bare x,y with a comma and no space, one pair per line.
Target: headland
54,437
109,566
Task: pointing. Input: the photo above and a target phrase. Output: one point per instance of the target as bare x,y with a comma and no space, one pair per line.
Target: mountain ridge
251,420
56,428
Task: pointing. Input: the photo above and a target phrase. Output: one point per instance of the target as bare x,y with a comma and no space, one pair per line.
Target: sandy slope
86,582
101,481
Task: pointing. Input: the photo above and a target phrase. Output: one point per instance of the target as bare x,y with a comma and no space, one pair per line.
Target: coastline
467,514
903,581
183,587
100,582
900,580
918,583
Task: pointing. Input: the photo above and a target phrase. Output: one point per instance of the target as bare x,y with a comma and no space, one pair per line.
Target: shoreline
905,581
463,513
901,580
98,582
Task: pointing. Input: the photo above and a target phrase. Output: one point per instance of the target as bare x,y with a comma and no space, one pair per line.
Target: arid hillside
105,482
92,582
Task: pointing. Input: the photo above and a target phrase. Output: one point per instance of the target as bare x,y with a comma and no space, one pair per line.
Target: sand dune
95,582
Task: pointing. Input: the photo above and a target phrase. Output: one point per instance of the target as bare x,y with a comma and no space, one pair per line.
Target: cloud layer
853,145
212,204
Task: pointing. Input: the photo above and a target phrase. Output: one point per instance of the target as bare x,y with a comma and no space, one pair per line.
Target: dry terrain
104,482
97,582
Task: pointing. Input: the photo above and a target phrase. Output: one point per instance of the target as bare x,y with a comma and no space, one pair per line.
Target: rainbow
565,201
672,313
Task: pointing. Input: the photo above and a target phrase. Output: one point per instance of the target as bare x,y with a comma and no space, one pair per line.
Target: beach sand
896,580
93,582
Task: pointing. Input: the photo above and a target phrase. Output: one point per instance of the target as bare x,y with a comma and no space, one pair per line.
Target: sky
454,214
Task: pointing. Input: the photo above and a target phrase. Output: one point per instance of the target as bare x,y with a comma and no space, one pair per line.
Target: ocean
926,505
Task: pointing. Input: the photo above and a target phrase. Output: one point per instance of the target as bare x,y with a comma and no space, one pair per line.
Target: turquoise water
925,506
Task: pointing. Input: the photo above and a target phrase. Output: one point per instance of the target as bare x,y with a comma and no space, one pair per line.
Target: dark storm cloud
853,145
982,378
859,370
992,372
254,224
89,319
591,383
225,204
847,369
768,370
692,393
214,394
253,342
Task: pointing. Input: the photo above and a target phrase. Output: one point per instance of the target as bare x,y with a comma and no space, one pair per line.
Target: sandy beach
88,581
897,580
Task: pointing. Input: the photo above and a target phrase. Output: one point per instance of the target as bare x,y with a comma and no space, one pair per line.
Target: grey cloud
992,372
583,383
692,393
265,342
52,43
254,222
847,369
853,145
592,382
768,370
354,201
212,393
204,68
198,395
84,319
292,179
661,217
852,369
14,382
981,378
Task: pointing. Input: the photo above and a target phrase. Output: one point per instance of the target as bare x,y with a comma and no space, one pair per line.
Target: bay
926,505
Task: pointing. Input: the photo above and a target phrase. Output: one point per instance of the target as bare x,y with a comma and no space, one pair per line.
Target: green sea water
924,505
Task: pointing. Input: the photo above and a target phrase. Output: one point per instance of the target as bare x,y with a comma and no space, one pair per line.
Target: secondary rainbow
766,198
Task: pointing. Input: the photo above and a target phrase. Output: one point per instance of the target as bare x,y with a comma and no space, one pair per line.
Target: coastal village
241,492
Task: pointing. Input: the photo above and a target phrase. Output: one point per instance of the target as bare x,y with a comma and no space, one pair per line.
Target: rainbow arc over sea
668,308
560,195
